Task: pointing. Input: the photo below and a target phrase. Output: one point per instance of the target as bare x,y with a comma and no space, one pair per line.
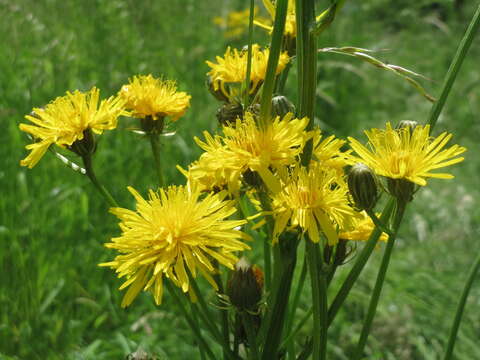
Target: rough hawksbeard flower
65,120
361,229
290,21
232,68
246,146
174,230
316,200
407,154
328,152
148,96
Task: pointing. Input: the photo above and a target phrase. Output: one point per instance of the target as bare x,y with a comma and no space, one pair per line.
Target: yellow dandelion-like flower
290,21
148,96
174,230
328,152
246,146
407,154
315,200
236,22
232,68
361,228
65,119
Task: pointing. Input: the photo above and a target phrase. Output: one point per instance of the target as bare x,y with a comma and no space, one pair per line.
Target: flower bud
245,286
411,124
281,106
228,114
362,184
402,189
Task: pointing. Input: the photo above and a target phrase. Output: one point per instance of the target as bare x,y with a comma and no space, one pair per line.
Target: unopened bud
362,184
228,114
245,286
411,124
281,106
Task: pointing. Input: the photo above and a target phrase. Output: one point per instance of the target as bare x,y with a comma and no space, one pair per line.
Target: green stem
87,162
266,206
190,321
353,274
223,314
307,68
372,307
249,55
275,319
155,144
298,293
195,319
299,326
378,223
454,67
359,264
282,80
275,48
460,308
319,300
251,336
204,310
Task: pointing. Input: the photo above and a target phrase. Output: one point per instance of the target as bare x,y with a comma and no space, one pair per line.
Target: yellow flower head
361,228
236,22
407,154
290,21
246,146
328,152
316,200
64,121
148,96
232,68
174,230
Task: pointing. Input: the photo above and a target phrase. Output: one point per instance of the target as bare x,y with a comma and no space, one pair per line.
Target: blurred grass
57,304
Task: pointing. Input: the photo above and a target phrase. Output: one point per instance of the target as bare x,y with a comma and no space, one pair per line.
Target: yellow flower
232,68
64,121
328,152
174,230
316,200
361,228
246,146
148,96
290,21
236,22
407,154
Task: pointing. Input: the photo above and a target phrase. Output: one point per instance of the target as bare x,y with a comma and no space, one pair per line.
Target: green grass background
55,303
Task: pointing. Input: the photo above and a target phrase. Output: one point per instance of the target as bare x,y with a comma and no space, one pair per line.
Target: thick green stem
353,274
223,314
247,322
87,162
275,48
454,67
246,98
359,264
372,307
275,318
307,67
460,308
196,330
155,144
319,301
